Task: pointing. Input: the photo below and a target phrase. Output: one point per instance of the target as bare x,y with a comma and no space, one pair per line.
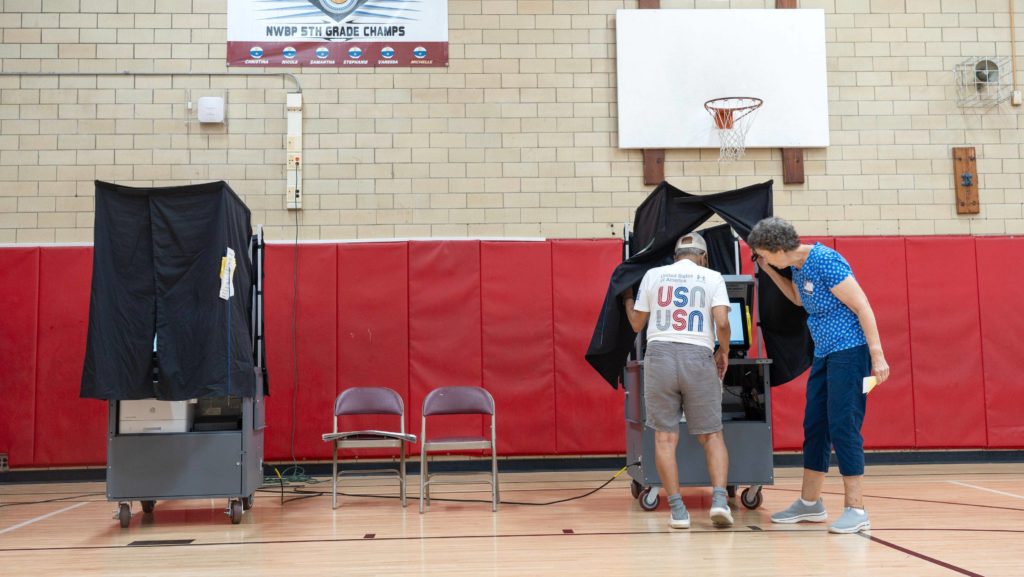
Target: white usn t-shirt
679,298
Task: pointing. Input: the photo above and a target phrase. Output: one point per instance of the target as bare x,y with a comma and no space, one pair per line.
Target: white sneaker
721,516
679,518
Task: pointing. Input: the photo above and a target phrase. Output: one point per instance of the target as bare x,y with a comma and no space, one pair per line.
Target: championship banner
337,33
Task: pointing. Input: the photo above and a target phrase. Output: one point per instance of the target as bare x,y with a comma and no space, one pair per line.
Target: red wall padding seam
444,328
589,413
314,340
945,342
19,316
68,430
880,266
373,328
1000,281
517,326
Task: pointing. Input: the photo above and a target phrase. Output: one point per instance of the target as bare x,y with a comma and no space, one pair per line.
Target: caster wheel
731,489
752,499
635,488
124,514
235,511
247,502
147,506
649,499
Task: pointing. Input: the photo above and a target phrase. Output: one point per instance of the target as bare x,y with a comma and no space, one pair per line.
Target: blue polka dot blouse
834,327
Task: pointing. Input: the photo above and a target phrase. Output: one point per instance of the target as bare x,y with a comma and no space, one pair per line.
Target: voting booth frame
221,459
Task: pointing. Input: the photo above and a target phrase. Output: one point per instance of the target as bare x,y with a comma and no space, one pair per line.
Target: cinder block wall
516,138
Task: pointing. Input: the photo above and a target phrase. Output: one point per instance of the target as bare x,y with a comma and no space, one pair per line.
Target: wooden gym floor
926,520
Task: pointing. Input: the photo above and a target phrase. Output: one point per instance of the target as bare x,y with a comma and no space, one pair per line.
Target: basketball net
732,117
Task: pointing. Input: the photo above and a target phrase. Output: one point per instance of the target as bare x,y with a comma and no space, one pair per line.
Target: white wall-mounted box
211,109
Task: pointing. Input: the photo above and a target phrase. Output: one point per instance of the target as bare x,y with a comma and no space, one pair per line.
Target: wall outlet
293,198
4,465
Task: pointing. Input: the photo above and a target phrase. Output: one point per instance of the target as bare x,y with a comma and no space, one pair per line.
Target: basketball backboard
670,62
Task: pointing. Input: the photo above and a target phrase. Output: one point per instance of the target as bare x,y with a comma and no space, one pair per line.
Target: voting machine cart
746,418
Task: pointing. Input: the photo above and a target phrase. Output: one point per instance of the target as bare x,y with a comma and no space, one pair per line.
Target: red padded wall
444,328
517,318
589,412
880,265
945,342
518,365
1000,282
19,307
789,400
373,327
68,430
316,334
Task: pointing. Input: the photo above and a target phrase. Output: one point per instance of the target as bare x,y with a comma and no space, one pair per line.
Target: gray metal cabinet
746,420
192,465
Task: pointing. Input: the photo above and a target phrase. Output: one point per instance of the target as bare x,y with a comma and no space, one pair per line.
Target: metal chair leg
494,467
334,478
423,477
401,474
427,485
494,481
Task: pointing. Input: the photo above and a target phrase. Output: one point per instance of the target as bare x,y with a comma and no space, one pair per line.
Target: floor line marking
922,556
654,533
41,517
962,484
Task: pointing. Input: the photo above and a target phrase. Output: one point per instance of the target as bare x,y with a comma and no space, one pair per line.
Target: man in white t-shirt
683,301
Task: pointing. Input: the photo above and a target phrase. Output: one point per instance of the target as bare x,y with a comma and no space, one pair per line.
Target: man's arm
723,331
850,293
637,319
785,285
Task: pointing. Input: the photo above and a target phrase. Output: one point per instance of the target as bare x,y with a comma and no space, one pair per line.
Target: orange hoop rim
720,111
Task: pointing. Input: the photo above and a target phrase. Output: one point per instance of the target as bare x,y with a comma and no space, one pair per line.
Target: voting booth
175,345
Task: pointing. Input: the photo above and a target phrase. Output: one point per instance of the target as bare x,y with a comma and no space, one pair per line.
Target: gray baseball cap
692,240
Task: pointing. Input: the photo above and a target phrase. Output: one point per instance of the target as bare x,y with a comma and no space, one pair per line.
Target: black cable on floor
54,500
308,494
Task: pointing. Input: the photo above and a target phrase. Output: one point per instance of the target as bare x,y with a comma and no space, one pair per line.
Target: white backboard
671,61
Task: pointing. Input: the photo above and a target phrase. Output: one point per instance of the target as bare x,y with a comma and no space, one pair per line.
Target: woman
846,349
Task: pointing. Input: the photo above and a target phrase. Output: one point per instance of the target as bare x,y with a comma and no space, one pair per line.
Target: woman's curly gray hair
773,234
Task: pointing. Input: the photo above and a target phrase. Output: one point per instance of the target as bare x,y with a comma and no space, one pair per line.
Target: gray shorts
678,375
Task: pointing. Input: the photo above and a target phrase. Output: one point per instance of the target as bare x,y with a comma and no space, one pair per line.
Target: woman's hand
879,368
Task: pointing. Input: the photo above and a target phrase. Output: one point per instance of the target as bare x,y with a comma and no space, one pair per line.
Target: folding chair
369,401
457,401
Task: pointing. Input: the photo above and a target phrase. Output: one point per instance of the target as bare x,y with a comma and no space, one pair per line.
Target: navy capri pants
835,411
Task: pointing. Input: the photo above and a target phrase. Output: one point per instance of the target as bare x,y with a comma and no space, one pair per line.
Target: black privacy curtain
156,272
661,219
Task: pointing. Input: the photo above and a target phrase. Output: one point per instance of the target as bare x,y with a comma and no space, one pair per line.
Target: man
681,370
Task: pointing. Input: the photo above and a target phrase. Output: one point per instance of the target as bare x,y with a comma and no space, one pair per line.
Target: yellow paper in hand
869,383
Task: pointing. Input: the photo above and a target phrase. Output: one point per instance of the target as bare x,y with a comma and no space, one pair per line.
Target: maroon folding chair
457,401
369,401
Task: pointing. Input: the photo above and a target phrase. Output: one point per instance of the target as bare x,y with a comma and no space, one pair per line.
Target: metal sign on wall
337,33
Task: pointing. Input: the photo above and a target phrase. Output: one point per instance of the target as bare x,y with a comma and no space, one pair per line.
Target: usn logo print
673,301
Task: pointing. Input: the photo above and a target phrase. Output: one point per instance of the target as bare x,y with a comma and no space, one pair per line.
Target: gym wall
517,137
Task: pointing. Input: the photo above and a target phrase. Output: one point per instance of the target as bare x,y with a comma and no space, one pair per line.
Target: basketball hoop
733,116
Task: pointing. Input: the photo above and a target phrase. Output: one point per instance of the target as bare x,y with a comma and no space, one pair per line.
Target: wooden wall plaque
965,178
